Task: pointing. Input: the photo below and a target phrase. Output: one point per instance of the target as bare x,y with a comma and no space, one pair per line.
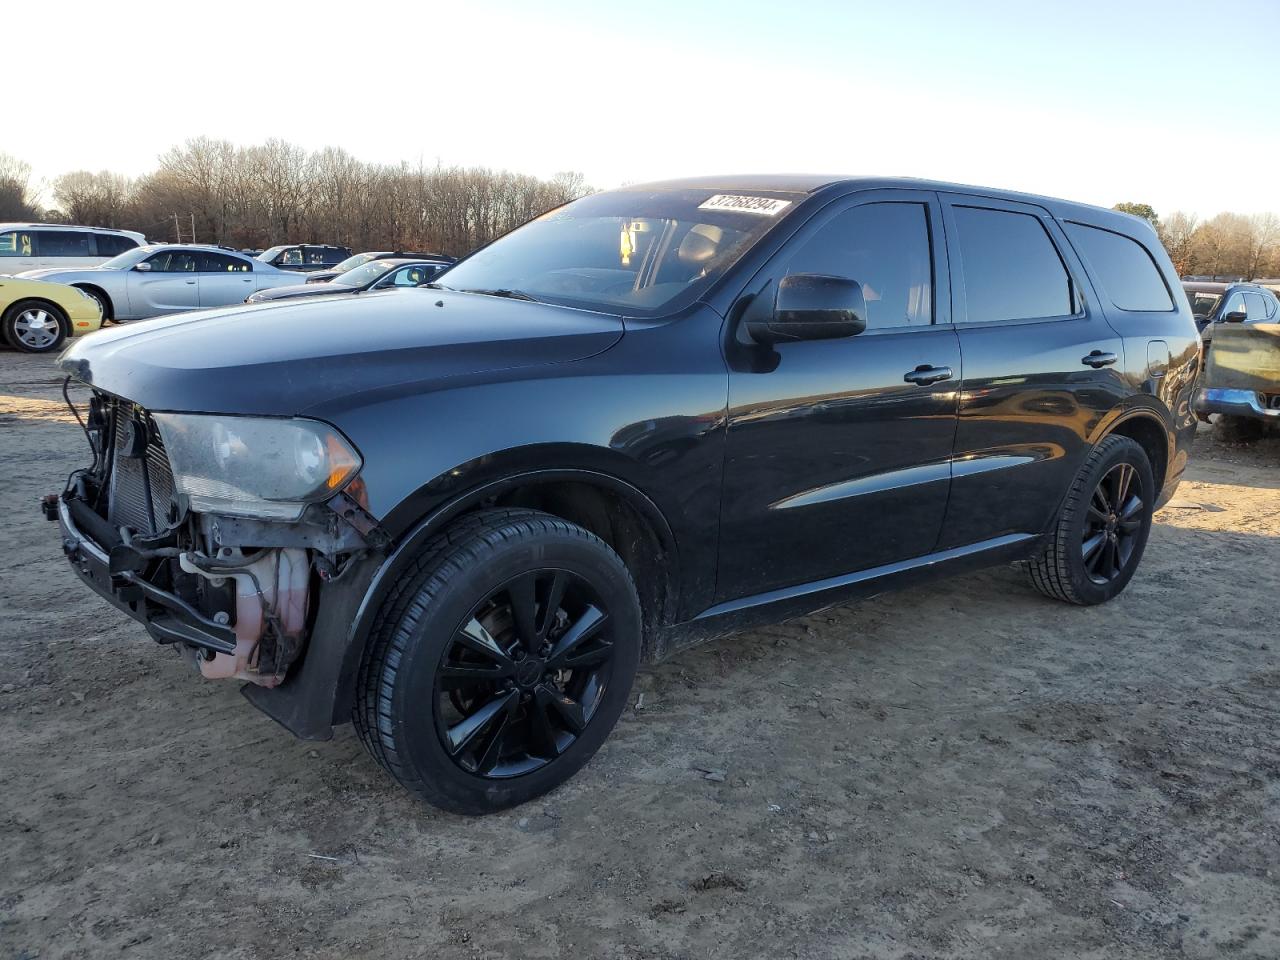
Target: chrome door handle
926,374
1098,359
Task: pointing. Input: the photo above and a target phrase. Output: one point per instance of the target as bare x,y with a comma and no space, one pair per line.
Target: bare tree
16,200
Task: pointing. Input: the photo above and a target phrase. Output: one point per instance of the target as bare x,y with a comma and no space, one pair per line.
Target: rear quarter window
112,244
1123,267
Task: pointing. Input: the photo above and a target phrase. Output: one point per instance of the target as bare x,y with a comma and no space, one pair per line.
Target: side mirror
1235,316
142,267
813,306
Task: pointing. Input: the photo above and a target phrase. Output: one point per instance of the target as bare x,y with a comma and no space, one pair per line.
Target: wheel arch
1147,429
109,307
612,508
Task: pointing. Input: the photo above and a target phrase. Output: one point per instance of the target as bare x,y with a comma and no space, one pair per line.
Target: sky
1126,100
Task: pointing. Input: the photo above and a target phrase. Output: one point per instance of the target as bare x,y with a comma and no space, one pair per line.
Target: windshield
352,262
367,273
636,252
266,256
127,259
1203,304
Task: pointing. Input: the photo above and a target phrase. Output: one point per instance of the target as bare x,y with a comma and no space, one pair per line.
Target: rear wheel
500,662
35,326
1102,527
104,305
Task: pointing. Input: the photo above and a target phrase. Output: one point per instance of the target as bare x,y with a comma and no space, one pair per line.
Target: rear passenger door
63,249
224,280
1041,368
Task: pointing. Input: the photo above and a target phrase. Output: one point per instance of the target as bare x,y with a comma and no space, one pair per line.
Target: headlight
255,466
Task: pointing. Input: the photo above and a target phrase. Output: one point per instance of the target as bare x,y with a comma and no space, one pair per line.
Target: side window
1128,275
16,243
1011,268
1233,305
173,261
409,276
221,263
885,247
1255,307
63,243
111,244
290,258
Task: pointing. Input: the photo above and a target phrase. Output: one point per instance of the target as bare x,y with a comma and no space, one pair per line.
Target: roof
797,183
66,226
209,247
1215,286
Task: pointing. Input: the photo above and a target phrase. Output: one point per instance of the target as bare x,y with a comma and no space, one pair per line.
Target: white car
36,246
169,278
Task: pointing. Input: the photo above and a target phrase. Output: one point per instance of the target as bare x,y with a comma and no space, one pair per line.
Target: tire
476,707
35,326
104,303
1231,429
1074,566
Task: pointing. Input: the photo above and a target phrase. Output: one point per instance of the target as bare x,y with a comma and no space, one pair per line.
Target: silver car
169,278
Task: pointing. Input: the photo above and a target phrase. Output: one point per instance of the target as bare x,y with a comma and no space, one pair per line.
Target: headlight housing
264,467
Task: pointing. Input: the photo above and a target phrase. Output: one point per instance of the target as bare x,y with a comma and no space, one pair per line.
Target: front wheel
34,326
500,661
1101,530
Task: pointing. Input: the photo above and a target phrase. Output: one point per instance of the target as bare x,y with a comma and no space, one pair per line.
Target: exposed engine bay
233,592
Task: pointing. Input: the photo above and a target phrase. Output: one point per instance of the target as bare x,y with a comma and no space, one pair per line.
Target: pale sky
1170,103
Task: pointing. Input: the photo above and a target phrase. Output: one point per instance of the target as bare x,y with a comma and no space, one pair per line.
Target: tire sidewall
413,700
9,332
1125,451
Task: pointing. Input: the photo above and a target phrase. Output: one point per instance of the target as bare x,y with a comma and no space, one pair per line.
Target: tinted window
1011,268
173,261
885,247
1128,275
111,245
15,243
63,243
1255,306
221,263
290,258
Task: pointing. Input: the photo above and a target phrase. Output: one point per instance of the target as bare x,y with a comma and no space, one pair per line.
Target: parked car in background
35,246
1219,302
654,416
374,275
356,260
38,317
1241,382
169,278
304,257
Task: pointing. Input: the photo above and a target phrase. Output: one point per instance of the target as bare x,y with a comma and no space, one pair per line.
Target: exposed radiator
140,494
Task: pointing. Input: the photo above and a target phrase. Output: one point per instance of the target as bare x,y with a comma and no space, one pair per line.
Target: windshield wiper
509,294
434,286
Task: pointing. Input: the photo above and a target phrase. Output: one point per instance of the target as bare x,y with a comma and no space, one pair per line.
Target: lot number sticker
764,206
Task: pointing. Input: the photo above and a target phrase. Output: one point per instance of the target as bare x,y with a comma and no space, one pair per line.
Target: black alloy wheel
1113,523
1095,543
499,661
524,674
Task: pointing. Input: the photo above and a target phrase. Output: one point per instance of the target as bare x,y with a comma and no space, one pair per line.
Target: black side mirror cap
812,306
1235,316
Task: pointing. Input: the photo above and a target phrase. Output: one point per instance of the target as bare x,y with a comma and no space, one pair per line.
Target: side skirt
804,599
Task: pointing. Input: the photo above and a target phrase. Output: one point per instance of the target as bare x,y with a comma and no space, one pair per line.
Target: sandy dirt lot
966,770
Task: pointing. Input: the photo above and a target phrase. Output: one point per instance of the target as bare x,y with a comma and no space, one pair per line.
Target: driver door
171,285
838,451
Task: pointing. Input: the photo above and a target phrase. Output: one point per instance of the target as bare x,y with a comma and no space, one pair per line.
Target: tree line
277,192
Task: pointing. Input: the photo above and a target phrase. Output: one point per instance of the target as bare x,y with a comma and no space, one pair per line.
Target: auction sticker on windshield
765,206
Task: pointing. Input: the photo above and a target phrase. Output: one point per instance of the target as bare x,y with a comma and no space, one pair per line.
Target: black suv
304,257
463,515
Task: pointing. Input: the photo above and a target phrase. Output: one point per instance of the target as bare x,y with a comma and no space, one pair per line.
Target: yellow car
37,316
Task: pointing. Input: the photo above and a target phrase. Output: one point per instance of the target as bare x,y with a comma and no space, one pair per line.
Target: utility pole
177,229
193,228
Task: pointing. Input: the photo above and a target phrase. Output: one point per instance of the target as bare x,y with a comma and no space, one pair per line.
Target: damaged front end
215,532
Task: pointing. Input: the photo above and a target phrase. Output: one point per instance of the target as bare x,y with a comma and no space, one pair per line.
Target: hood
282,359
300,290
59,273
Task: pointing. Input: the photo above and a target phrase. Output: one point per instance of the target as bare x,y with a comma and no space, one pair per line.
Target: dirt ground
964,770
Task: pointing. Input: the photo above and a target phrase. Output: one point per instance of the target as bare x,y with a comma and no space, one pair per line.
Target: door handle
191,283
926,374
1098,359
